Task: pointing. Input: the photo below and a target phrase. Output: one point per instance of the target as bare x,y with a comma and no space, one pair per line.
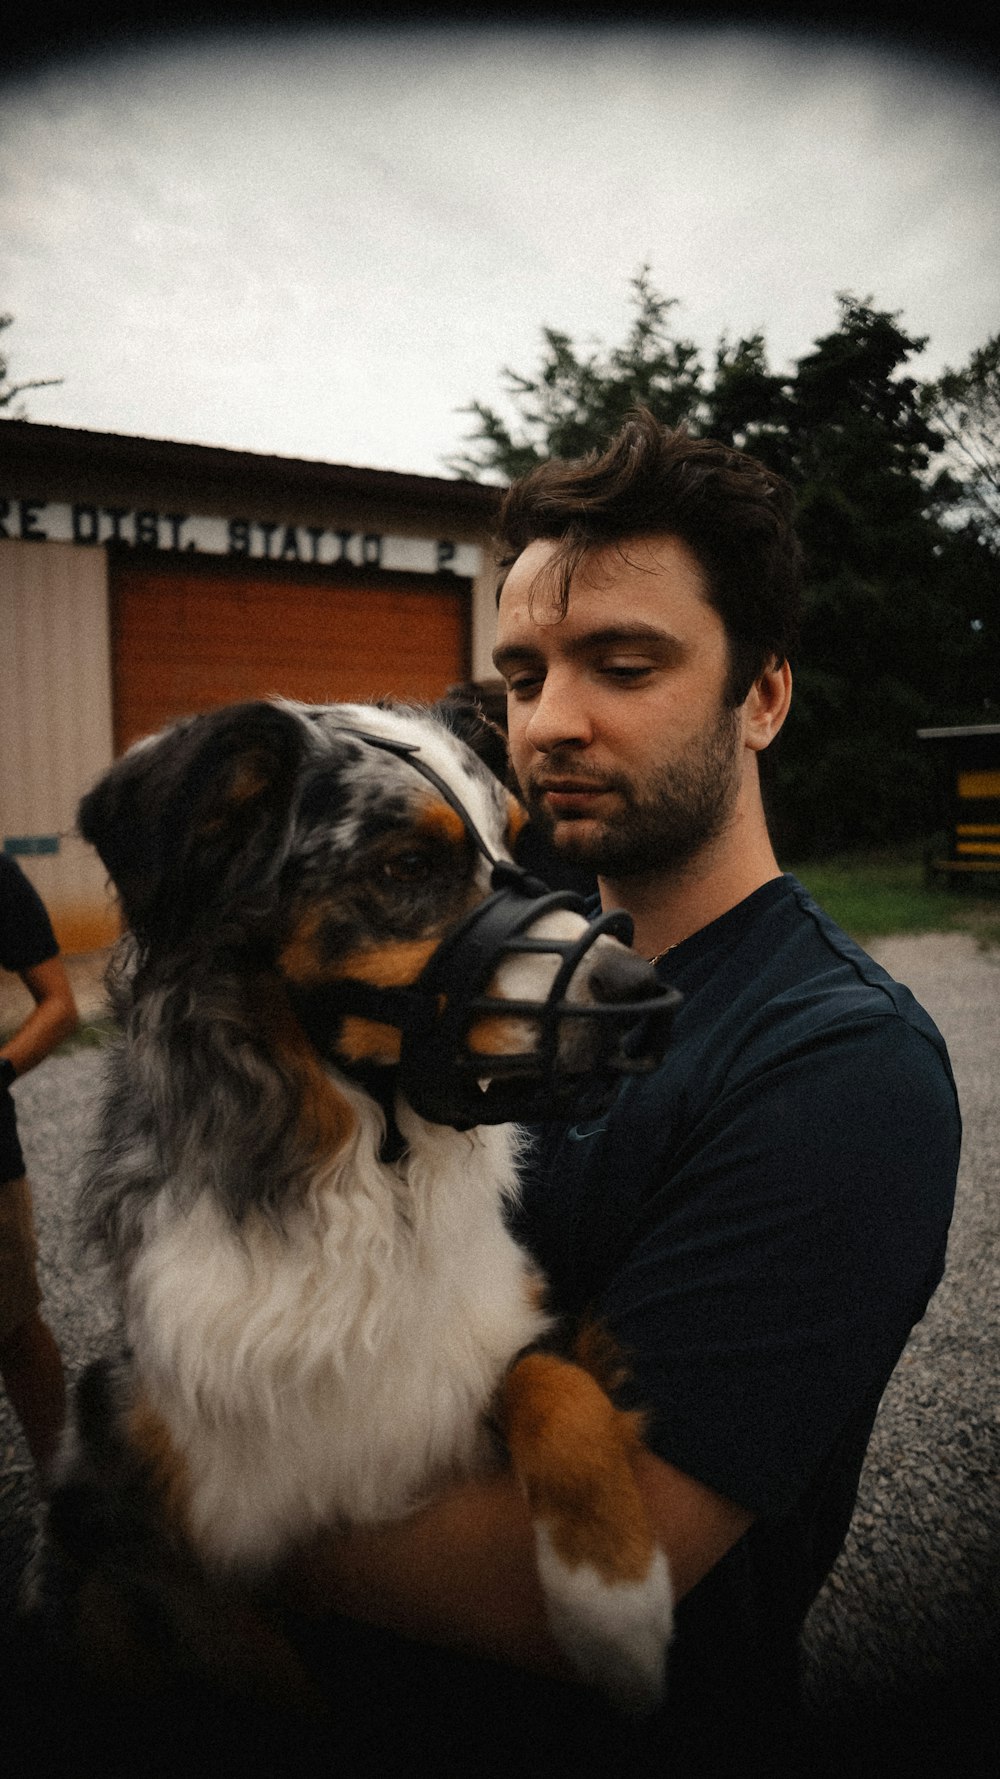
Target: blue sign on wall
30,846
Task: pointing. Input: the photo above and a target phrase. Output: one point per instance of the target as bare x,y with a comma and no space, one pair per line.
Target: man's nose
559,716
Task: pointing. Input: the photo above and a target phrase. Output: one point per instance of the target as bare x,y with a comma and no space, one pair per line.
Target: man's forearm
461,1572
53,1017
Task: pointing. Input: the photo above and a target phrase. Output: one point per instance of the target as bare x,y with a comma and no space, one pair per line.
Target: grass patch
91,1034
874,895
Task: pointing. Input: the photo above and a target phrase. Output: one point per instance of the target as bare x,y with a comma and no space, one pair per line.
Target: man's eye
408,867
525,685
626,671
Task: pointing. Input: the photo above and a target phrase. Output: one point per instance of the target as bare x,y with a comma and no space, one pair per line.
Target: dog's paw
606,1581
615,1633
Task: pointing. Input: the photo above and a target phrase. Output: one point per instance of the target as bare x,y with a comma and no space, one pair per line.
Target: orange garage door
191,637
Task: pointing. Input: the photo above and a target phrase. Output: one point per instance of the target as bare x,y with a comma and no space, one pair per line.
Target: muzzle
442,1074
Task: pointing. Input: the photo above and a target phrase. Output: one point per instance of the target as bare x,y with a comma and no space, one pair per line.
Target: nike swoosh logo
578,1132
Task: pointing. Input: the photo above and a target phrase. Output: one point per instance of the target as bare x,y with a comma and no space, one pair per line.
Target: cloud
324,245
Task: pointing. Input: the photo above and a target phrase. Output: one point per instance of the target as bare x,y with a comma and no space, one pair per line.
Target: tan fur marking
498,1036
440,818
300,959
249,778
536,1290
362,1039
325,1118
517,817
572,1451
386,966
150,1436
391,966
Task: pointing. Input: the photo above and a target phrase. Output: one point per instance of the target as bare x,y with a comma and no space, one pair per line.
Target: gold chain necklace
662,954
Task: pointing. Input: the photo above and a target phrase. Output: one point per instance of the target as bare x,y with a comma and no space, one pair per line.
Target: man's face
622,743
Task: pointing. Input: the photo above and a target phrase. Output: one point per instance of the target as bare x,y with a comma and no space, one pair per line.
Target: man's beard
666,818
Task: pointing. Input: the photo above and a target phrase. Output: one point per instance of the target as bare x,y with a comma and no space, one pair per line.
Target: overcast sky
323,245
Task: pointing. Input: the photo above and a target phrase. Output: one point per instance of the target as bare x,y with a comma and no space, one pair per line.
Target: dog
335,991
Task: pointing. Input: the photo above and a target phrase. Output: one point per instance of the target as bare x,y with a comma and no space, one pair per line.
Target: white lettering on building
261,540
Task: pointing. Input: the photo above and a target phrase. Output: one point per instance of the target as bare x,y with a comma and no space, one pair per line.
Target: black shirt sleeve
26,936
772,1280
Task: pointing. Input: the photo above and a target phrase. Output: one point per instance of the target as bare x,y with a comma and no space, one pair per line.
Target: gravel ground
902,1647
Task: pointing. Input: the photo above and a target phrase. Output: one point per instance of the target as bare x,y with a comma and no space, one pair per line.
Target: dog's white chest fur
338,1366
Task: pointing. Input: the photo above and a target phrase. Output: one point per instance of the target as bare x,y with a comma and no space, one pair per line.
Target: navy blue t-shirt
26,939
760,1224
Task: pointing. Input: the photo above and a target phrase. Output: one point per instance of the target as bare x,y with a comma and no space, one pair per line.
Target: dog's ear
188,817
462,713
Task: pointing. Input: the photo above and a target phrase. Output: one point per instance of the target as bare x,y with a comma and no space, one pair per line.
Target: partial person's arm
461,1571
52,1019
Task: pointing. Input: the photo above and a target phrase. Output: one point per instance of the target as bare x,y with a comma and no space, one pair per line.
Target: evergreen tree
746,405
889,644
577,399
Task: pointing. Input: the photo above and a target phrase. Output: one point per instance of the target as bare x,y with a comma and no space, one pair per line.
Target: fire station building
142,580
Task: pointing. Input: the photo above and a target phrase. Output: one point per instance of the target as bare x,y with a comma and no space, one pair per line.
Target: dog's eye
408,867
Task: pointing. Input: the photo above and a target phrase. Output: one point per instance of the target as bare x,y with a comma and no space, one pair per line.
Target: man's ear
187,816
766,705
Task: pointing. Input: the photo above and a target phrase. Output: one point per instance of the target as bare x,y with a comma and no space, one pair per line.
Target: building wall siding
55,726
144,579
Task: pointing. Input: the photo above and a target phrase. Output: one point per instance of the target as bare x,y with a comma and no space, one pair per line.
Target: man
30,1365
761,1222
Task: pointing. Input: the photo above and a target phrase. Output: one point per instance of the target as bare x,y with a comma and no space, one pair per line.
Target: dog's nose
622,976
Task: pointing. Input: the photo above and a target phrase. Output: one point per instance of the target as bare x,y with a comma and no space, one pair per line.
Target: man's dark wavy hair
734,514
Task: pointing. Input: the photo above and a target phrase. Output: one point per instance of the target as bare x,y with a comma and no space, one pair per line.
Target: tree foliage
9,391
887,641
965,407
901,623
577,399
